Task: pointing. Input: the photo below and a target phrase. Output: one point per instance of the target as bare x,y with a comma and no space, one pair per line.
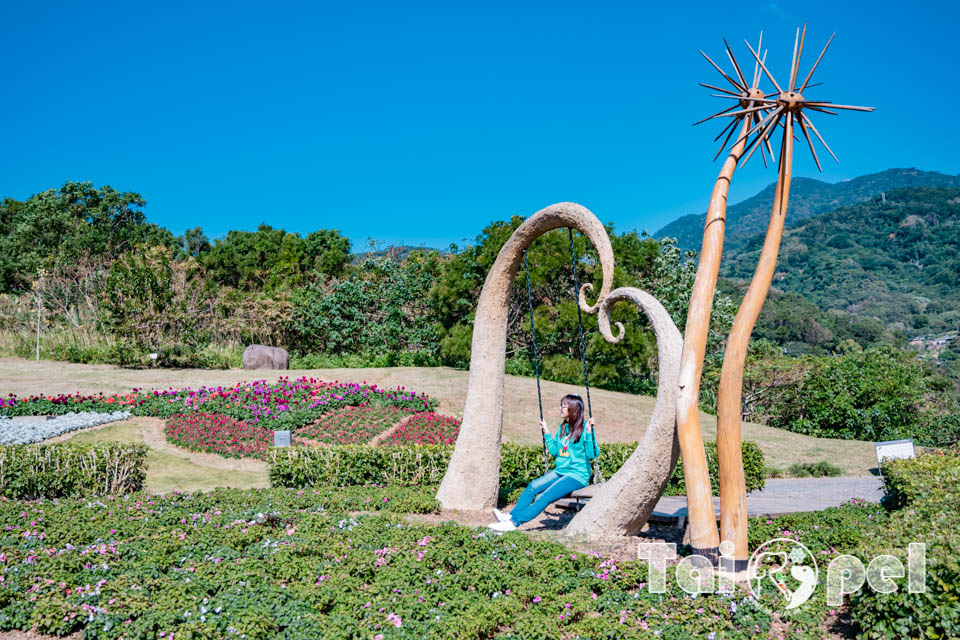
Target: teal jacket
573,458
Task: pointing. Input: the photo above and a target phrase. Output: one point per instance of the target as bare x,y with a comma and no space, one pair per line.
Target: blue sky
419,123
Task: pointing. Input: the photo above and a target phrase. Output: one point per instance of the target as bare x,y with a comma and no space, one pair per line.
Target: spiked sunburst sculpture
759,114
751,101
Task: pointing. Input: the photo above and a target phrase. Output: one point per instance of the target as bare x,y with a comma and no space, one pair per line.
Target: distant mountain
895,257
808,197
397,253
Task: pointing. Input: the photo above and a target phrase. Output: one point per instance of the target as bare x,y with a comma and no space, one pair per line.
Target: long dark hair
574,415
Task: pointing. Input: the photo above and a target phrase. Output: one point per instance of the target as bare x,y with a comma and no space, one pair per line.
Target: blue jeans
540,493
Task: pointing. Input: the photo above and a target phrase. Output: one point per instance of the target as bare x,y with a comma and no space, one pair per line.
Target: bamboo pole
704,537
733,489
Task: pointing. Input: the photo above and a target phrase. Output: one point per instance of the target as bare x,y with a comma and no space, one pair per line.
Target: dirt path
621,417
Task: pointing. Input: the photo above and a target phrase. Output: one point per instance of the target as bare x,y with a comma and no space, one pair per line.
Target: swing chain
536,365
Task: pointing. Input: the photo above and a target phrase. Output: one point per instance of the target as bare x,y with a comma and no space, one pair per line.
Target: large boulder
258,356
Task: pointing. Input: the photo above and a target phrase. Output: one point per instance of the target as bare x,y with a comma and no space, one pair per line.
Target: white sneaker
500,515
506,525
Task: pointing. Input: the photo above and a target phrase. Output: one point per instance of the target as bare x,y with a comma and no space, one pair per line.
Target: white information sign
895,449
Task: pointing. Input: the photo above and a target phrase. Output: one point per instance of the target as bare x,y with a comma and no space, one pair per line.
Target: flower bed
426,428
353,425
287,404
220,434
292,564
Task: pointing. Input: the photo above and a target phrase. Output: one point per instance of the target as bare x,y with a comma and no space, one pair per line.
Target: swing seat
585,493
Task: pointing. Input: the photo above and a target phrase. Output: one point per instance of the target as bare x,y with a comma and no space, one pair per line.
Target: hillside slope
808,197
895,257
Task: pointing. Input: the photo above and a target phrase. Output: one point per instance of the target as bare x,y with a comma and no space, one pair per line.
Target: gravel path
27,430
788,495
833,490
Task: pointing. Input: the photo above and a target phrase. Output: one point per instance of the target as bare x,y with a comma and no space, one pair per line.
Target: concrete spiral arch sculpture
472,477
624,503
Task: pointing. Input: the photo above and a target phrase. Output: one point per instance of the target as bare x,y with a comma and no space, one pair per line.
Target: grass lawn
172,469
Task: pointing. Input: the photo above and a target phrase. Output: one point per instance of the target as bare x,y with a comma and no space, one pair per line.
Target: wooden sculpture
785,110
704,537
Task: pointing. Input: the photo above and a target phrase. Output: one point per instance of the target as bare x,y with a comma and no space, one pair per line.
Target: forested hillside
894,259
808,197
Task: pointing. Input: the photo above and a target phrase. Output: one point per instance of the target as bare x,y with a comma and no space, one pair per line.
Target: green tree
155,302
61,225
381,307
271,258
195,242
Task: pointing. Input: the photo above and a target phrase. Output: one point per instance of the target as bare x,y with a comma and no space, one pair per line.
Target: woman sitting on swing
573,448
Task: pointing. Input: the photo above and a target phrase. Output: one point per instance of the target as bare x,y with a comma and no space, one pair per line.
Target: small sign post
281,439
895,449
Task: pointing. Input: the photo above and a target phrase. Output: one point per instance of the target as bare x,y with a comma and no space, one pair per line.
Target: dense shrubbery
926,492
923,494
421,465
877,394
69,469
292,564
826,533
822,469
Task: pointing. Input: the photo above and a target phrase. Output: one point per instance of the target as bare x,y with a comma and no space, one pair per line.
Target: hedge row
926,492
425,465
69,469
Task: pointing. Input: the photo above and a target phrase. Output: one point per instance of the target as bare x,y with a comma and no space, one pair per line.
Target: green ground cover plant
296,564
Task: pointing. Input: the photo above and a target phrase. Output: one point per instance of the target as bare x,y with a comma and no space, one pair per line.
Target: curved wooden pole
733,488
472,477
623,503
703,528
